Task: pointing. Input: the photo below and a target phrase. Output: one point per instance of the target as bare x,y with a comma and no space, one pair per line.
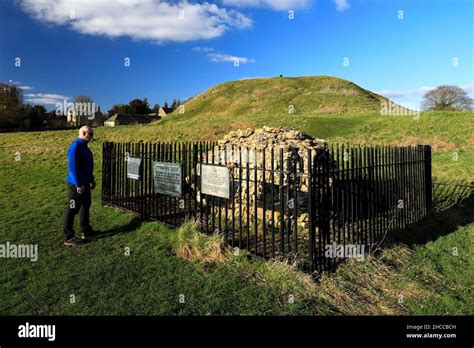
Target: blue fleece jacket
80,163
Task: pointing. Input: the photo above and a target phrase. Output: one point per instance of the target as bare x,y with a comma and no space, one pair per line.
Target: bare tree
82,99
447,98
84,105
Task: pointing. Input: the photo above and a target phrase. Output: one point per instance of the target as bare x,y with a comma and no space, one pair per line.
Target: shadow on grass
134,224
453,207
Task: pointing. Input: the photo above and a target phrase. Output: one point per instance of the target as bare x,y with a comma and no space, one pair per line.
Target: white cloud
404,93
21,86
418,91
25,88
203,49
278,5
39,98
45,98
218,57
155,20
341,5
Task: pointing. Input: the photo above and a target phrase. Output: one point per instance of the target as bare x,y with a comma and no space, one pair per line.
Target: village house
163,112
76,120
125,119
98,120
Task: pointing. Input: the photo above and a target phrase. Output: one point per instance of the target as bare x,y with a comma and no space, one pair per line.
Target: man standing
80,181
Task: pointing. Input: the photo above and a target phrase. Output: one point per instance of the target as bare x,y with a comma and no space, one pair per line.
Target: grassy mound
310,95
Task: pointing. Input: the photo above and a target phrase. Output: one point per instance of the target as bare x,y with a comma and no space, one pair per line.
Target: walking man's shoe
73,241
89,234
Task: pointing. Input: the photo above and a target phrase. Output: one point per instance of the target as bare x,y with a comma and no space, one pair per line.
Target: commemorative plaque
133,168
168,179
215,180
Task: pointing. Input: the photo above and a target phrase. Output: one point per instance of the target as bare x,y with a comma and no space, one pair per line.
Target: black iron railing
316,206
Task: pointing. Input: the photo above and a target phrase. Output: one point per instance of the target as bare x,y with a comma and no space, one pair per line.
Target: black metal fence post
106,158
311,216
428,177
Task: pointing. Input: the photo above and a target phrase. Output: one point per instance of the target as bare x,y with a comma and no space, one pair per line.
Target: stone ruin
246,148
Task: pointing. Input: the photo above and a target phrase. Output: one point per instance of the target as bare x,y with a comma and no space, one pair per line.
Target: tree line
14,113
140,107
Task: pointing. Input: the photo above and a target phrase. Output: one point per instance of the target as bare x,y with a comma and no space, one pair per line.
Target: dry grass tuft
470,143
373,287
286,270
441,145
436,144
194,246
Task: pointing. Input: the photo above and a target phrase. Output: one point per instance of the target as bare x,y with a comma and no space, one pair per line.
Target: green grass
273,96
424,271
103,279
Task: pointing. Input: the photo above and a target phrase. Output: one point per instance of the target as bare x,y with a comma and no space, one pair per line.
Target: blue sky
179,49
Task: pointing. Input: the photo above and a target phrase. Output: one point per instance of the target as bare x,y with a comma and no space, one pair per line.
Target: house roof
111,119
129,118
167,110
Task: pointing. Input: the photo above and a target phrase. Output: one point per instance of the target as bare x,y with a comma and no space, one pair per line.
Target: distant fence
316,206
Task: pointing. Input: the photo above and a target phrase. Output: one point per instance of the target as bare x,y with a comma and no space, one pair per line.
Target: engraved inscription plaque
133,168
215,180
168,178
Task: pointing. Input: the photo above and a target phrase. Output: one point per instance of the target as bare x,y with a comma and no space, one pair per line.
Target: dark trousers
77,203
